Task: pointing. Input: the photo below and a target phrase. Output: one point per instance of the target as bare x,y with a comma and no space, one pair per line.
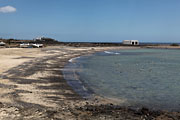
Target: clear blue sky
92,20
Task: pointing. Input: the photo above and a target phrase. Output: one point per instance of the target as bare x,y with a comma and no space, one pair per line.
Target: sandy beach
32,87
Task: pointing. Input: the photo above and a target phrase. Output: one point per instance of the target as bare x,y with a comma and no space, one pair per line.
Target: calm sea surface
141,77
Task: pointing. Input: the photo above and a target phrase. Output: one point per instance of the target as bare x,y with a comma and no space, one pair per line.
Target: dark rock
144,111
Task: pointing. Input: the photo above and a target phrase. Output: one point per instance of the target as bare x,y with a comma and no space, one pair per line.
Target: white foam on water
108,52
71,60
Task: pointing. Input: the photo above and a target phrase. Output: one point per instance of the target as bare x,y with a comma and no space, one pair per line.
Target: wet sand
32,87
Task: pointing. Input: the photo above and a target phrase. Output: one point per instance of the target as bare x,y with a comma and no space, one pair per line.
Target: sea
139,77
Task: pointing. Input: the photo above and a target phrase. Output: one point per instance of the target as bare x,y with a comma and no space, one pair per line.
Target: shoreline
97,104
80,86
36,89
92,95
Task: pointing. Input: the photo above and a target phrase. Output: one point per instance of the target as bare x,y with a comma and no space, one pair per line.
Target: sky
91,20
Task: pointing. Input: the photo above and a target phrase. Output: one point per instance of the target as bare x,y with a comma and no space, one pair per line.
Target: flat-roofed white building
28,45
130,42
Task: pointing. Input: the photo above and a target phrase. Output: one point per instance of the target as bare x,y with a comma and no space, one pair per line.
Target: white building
28,45
38,38
130,42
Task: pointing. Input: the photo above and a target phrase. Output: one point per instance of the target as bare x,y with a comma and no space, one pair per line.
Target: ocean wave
108,52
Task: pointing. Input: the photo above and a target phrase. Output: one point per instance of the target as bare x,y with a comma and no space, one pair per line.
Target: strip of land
32,87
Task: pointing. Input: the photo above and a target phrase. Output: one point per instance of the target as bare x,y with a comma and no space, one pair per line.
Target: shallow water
141,77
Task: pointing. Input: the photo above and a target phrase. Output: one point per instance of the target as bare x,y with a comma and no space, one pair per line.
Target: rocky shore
32,87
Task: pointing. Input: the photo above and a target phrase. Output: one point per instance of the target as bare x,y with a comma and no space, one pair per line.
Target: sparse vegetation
174,44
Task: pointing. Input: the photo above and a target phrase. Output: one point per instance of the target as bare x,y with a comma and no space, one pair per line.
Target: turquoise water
141,77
